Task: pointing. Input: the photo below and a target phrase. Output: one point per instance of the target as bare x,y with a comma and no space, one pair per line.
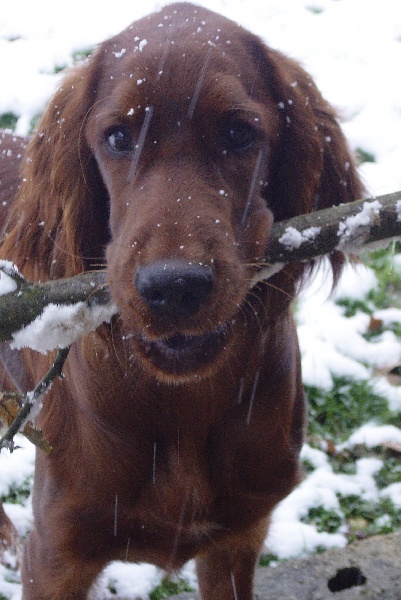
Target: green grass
390,472
77,57
19,494
352,306
165,589
316,10
388,291
365,518
267,559
365,156
8,120
168,588
361,518
336,413
324,520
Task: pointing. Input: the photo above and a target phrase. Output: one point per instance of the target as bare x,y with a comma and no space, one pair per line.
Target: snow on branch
350,228
45,316
49,315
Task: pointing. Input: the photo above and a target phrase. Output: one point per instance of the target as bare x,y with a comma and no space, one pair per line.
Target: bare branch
20,307
350,228
32,403
10,406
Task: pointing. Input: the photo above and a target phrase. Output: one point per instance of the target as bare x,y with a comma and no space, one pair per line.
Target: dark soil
368,569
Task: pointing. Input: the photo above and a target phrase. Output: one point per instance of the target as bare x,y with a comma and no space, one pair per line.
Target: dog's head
175,147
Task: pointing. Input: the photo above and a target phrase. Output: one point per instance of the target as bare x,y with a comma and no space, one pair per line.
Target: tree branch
350,228
32,402
10,407
27,301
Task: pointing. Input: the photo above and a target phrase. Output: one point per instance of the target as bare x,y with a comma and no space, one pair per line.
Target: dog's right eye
238,136
119,141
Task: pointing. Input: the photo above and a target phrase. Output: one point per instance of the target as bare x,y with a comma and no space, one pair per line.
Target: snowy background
352,48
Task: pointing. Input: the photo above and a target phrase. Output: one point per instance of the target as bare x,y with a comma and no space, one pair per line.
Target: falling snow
121,53
349,70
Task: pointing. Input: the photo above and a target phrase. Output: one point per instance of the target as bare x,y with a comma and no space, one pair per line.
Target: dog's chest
185,494
174,514
179,490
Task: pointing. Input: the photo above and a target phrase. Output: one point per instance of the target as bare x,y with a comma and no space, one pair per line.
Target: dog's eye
239,137
119,140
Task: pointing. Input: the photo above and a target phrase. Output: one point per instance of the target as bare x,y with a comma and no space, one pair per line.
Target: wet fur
173,437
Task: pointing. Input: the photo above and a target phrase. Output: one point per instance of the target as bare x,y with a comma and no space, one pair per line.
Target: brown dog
166,157
12,149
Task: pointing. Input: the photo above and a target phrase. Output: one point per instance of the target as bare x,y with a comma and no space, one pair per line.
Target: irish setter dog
165,158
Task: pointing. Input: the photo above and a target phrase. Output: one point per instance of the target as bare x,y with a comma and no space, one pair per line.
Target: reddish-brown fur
8,537
177,427
12,149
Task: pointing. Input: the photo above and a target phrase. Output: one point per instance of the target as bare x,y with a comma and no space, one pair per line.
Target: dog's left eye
119,141
239,137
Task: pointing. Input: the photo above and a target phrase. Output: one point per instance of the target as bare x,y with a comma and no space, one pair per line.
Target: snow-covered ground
353,50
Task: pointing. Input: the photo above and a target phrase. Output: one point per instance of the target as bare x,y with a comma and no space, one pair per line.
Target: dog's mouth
180,354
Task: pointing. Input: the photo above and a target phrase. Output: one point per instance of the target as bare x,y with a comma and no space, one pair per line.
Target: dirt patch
369,569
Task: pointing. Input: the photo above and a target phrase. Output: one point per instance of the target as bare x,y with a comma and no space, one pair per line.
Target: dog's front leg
48,574
226,569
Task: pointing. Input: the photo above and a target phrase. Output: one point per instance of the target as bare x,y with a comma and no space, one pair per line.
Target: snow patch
141,45
60,325
353,231
293,239
128,580
398,209
372,435
7,271
7,284
393,491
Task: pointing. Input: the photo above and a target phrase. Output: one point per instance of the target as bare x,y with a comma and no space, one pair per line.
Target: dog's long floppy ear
312,167
59,219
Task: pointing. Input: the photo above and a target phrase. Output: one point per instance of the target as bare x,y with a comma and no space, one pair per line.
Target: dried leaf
375,324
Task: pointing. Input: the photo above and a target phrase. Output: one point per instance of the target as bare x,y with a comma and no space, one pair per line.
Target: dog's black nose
174,289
